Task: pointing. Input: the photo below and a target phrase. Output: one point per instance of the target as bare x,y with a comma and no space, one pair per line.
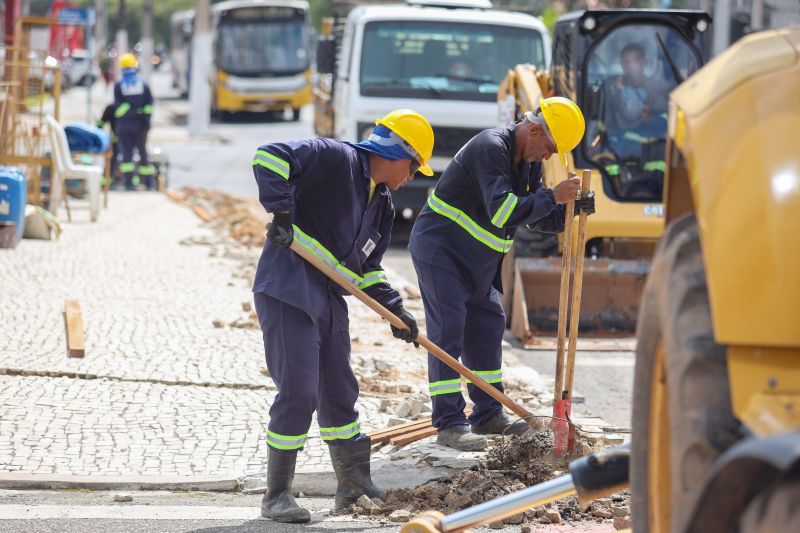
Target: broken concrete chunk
218,323
381,366
404,409
526,529
416,406
396,421
553,515
378,343
123,497
620,510
496,525
365,503
384,404
247,306
405,387
622,522
400,515
515,520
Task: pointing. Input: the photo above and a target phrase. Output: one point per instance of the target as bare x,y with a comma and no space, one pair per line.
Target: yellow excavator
618,65
716,410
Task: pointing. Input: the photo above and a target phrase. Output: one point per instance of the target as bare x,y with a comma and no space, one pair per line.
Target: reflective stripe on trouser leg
338,386
292,348
127,144
483,337
144,162
444,295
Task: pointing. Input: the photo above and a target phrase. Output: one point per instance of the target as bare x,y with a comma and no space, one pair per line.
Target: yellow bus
261,55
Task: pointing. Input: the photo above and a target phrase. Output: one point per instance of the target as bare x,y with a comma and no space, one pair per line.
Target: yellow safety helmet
128,61
565,121
414,129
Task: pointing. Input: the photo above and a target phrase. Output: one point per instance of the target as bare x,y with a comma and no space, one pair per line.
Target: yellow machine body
742,170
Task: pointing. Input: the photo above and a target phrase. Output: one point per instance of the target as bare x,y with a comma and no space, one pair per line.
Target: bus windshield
421,59
258,47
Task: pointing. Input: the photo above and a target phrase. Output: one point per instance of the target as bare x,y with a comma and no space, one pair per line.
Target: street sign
76,16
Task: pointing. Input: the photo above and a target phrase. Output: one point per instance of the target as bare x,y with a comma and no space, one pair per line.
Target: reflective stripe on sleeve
286,442
470,226
372,278
273,163
499,219
122,109
315,247
342,432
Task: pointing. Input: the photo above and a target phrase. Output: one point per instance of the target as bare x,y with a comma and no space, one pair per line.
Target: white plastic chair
65,169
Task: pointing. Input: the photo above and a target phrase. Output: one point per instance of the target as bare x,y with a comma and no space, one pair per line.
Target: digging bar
560,423
421,339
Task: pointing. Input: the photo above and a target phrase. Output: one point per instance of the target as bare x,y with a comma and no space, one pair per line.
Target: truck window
455,61
631,71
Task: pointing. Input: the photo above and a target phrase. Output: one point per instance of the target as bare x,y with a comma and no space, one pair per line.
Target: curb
11,481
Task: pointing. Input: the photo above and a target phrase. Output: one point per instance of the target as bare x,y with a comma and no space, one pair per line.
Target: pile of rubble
516,463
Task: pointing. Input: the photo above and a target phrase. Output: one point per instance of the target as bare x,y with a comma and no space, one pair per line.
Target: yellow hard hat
128,61
414,129
565,121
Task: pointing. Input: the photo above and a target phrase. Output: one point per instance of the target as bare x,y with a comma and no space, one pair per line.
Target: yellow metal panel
765,388
743,154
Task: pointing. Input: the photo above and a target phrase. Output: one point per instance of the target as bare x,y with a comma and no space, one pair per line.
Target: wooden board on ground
72,317
413,436
385,435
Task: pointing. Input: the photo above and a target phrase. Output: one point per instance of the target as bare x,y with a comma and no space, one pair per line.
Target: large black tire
675,316
532,243
776,510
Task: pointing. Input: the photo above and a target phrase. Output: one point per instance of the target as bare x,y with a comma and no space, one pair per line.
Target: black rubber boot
351,463
278,502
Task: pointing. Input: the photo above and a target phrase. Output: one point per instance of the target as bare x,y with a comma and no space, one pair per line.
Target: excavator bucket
609,301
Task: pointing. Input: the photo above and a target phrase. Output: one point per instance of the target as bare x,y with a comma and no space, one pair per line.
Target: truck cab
444,59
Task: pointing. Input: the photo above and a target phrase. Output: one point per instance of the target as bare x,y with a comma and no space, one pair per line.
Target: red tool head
562,427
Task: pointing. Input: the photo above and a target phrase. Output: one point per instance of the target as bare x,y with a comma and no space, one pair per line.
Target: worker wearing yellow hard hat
492,186
133,109
333,199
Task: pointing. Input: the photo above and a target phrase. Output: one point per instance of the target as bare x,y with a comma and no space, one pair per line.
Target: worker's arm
552,222
506,209
279,168
146,109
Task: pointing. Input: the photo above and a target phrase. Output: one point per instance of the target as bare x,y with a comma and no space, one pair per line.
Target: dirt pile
517,463
244,219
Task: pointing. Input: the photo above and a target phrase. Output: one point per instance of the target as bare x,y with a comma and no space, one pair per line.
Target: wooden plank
75,342
384,435
413,436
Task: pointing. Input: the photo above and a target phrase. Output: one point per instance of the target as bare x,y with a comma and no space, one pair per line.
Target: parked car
80,69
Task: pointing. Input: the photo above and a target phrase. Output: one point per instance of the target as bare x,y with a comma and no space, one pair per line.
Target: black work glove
585,204
410,334
280,231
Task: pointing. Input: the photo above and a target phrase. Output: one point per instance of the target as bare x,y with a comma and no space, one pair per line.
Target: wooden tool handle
577,287
563,300
421,339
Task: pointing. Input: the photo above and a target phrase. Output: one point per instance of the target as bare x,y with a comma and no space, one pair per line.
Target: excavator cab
627,73
619,66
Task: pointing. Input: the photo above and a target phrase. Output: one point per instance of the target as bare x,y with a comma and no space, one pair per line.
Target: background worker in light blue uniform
133,104
492,186
332,198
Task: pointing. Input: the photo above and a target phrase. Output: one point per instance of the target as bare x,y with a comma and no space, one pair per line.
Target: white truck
442,58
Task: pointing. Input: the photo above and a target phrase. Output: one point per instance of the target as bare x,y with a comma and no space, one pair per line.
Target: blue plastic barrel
13,194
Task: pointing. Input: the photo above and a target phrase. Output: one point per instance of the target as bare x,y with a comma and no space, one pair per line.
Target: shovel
421,339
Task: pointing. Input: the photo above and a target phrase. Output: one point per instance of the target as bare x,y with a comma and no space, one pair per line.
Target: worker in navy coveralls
332,198
492,186
133,108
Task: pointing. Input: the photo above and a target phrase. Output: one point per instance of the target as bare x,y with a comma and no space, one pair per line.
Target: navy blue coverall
325,184
457,245
133,105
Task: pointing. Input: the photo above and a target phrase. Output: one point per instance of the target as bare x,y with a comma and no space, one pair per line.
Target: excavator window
629,74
